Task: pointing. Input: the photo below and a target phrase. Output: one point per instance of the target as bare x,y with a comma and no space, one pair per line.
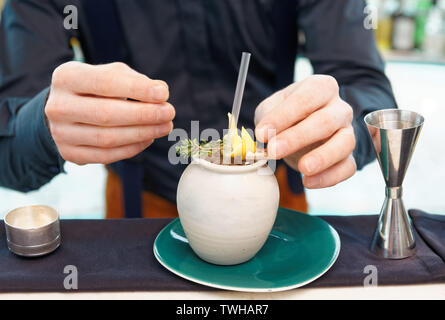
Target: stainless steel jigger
395,133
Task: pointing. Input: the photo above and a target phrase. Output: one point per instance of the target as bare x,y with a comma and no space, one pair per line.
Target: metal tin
32,231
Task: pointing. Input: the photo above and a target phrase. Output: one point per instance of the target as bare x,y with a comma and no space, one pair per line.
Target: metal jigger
394,134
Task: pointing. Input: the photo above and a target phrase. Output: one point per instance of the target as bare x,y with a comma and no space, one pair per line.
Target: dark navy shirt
195,46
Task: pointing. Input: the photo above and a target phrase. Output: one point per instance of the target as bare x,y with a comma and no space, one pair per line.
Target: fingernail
312,164
164,129
277,148
312,182
165,113
158,93
265,132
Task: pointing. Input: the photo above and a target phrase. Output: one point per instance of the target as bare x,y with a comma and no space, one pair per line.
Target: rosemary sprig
193,148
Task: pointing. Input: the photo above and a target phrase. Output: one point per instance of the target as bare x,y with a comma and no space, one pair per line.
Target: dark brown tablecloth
117,255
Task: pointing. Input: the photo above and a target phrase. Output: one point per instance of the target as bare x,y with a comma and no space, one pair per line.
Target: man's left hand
309,126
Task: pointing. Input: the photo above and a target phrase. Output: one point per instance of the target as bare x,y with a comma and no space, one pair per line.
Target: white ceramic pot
227,212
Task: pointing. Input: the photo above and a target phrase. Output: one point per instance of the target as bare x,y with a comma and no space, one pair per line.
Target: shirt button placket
199,61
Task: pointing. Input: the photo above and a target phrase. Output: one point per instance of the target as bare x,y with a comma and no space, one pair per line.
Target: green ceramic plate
300,249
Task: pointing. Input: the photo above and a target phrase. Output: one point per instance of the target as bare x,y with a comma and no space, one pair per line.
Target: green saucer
300,249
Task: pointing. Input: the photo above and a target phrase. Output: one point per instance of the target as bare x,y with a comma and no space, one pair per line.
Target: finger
339,147
268,104
109,111
332,176
112,80
310,95
107,137
263,134
86,155
320,125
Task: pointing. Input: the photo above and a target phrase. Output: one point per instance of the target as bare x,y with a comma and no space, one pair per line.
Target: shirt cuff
45,150
45,135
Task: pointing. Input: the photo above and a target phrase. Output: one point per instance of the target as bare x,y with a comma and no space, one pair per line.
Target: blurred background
411,37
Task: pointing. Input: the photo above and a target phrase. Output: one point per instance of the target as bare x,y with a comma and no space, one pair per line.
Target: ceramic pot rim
229,168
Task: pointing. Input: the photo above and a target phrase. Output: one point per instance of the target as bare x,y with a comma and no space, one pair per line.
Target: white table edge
429,291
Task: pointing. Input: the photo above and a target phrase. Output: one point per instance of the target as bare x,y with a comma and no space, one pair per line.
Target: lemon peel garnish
236,145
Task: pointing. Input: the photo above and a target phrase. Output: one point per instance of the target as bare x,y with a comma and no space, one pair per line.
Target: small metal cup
32,231
395,133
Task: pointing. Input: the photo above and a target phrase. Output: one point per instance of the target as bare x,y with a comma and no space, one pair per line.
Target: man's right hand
90,119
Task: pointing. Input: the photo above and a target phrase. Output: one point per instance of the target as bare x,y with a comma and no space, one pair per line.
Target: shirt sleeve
33,43
338,44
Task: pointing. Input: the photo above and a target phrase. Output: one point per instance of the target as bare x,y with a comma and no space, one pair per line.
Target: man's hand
92,122
313,127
